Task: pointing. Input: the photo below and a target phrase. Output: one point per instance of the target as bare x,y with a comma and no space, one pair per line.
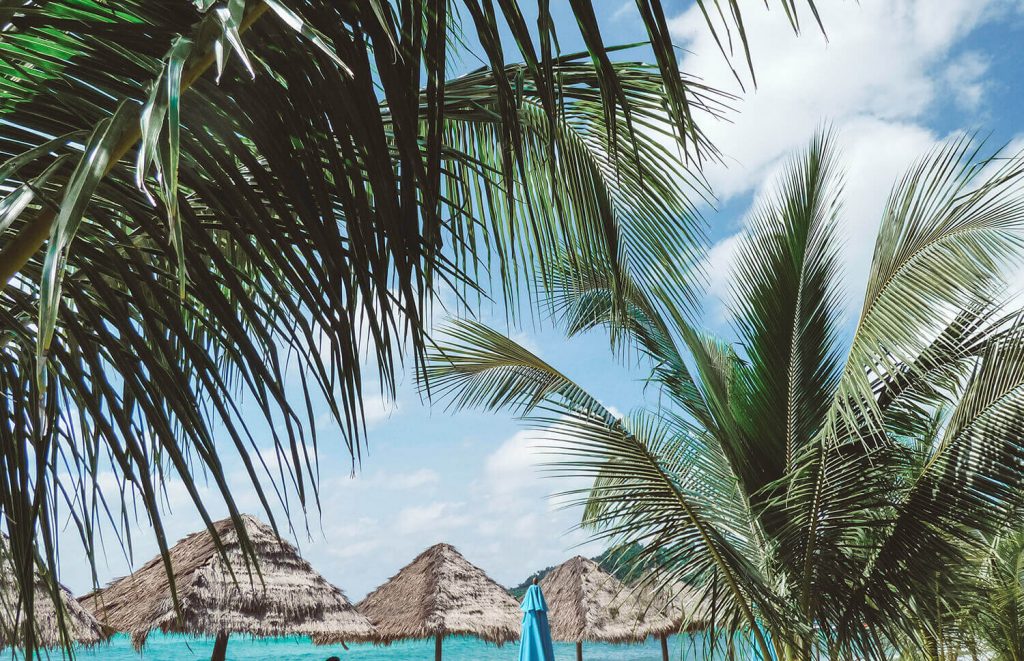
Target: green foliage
823,499
998,620
210,239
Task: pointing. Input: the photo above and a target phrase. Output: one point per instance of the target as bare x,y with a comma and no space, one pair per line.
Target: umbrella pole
220,647
579,650
437,648
664,647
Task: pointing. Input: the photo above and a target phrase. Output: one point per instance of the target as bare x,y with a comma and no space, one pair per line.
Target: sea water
160,647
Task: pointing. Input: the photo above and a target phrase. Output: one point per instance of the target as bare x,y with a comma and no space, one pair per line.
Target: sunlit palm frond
669,494
951,229
968,490
209,240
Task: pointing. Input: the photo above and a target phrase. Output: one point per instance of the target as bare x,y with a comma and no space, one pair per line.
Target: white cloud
432,518
416,479
883,60
965,77
886,66
377,408
513,467
718,266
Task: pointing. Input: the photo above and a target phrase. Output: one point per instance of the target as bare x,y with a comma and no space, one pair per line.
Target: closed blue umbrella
535,642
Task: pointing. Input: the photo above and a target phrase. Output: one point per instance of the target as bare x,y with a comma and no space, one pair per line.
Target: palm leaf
310,210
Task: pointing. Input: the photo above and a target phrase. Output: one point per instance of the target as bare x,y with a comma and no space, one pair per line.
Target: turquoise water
167,648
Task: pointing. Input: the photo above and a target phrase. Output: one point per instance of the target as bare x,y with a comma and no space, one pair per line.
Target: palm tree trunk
16,253
579,650
220,647
437,647
664,647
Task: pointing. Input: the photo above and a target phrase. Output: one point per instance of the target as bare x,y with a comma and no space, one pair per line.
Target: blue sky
895,77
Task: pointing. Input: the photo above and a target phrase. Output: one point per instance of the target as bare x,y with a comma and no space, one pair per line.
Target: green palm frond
475,366
849,505
951,230
999,621
968,489
908,399
787,305
225,187
668,494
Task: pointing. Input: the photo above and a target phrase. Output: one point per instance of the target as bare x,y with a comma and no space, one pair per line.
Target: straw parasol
79,625
678,604
280,596
441,594
587,603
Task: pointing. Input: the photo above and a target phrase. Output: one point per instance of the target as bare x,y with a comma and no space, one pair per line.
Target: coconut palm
994,621
818,493
197,194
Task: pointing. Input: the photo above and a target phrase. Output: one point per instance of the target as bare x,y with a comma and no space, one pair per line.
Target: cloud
965,77
433,518
419,479
518,505
886,68
882,60
416,479
377,408
718,265
513,467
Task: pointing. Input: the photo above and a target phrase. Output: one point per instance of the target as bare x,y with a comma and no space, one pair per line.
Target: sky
893,78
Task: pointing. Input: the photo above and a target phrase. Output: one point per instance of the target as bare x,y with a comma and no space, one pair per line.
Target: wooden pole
579,650
664,647
220,647
437,647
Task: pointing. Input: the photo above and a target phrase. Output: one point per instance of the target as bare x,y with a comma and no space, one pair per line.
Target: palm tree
994,621
171,240
821,496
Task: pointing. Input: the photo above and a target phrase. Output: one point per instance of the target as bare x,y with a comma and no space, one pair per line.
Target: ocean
161,647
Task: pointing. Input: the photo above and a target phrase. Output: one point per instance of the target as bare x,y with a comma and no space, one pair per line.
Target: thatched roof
585,603
281,596
80,626
679,605
441,594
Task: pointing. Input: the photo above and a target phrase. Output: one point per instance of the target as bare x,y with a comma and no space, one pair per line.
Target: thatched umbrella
441,594
79,625
280,596
586,603
677,604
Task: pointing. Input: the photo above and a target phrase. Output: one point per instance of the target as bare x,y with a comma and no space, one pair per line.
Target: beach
161,647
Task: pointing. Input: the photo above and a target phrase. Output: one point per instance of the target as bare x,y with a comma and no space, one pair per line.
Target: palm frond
951,230
968,489
304,207
474,366
662,492
787,303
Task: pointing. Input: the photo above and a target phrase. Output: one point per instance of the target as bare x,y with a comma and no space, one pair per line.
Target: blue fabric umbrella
535,643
